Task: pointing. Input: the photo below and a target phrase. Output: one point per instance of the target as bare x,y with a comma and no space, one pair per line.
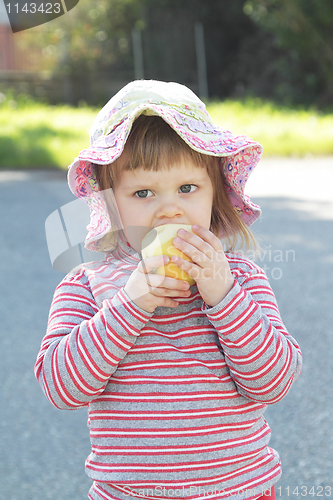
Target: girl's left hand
210,268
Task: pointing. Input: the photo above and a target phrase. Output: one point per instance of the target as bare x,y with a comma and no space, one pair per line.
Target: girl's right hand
148,290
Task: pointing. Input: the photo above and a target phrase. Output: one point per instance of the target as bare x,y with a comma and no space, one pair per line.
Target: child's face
146,198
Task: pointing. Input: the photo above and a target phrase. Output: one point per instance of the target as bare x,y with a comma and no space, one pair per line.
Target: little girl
176,378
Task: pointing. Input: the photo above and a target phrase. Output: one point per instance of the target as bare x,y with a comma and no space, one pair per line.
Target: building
7,45
21,64
17,54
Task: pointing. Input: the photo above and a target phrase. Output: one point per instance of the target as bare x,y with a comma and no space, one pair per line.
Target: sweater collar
124,252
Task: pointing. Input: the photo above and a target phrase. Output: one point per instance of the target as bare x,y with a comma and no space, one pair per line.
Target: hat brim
188,117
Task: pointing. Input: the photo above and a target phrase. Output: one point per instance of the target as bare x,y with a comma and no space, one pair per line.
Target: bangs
153,144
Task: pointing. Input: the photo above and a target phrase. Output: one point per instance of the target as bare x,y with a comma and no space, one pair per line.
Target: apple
159,242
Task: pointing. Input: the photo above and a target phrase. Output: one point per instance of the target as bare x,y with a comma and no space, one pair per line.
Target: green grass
35,135
281,130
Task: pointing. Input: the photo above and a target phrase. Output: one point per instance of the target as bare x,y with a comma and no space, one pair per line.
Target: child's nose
169,209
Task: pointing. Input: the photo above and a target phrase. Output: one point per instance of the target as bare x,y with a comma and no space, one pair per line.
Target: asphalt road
43,449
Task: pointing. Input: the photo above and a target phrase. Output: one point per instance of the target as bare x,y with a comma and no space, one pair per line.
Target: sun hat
187,115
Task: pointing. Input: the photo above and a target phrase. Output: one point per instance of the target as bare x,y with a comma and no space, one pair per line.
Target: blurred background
264,68
268,59
275,49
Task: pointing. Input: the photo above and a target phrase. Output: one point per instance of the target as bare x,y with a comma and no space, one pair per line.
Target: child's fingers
200,248
150,263
166,292
166,302
185,265
209,237
158,280
168,287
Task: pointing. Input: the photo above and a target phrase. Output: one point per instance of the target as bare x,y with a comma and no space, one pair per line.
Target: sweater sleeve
83,344
263,358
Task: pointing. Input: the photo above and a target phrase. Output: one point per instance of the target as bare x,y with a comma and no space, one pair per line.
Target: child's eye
142,193
187,188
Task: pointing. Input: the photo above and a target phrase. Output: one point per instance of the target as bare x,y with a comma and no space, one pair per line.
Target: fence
154,57
65,89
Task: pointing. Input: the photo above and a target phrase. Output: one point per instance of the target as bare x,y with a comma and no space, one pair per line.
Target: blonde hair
151,139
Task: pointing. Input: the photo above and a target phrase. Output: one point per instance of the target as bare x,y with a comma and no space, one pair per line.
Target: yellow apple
159,242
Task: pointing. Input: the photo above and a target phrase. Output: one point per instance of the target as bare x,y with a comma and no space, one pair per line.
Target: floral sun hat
187,115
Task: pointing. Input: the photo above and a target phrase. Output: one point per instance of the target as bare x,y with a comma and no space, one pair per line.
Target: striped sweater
176,397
